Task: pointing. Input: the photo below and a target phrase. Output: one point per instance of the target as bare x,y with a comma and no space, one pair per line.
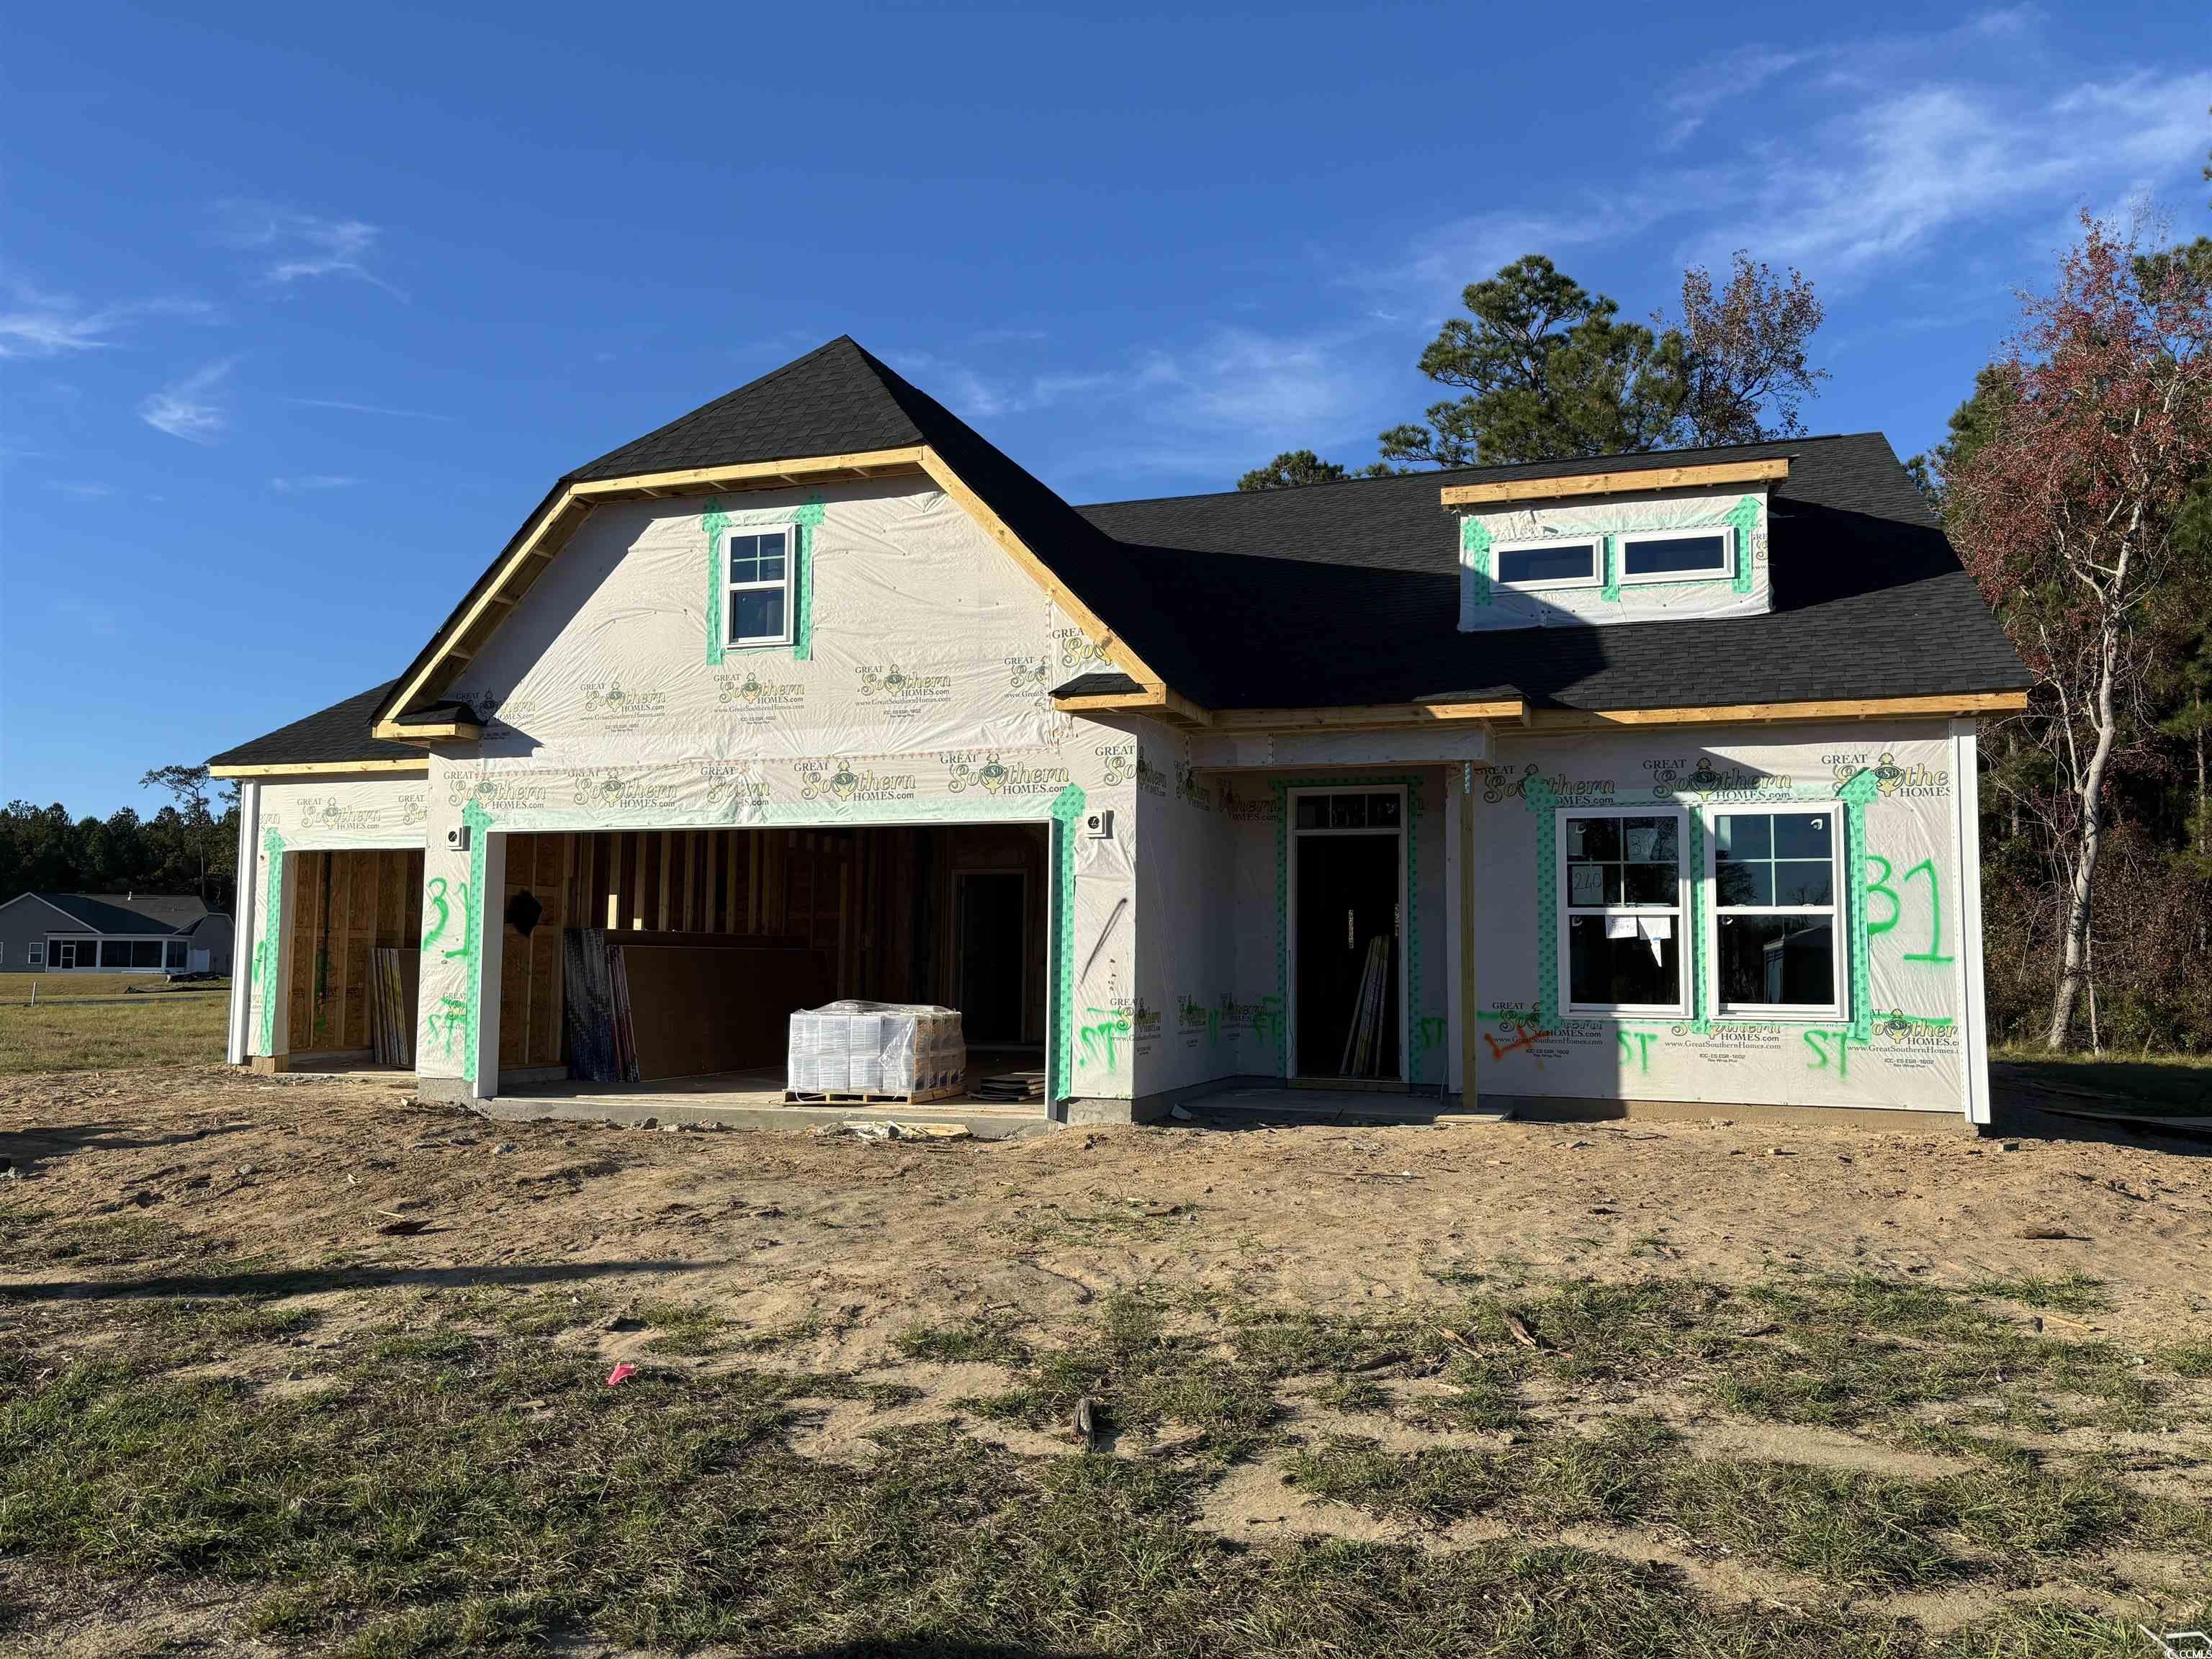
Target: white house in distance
1640,783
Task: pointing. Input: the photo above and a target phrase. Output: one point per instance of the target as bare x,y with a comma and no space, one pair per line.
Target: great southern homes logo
892,686
1117,762
1030,676
754,692
1188,787
1252,809
1890,776
994,777
1149,778
1706,775
845,784
501,792
1503,783
611,789
1076,648
613,702
730,786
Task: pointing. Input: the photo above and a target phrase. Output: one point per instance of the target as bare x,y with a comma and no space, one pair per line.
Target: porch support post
489,931
1973,1012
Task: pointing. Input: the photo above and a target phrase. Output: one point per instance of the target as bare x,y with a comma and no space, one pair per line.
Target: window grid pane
1763,860
1670,556
1632,861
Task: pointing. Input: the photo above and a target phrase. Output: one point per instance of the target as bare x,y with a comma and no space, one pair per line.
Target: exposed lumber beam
1710,476
323,768
1367,716
1954,704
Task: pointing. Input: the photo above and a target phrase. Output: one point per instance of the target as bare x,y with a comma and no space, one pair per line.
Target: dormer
1593,549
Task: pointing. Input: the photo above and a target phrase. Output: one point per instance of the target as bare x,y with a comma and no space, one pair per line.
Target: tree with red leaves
2066,518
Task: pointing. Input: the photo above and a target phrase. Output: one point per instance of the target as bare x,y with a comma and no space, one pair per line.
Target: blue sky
301,308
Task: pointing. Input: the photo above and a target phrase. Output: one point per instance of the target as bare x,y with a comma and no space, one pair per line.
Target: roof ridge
759,380
1502,467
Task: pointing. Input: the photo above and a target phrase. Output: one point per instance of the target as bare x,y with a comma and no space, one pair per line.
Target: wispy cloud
84,490
366,409
192,408
306,481
1869,156
35,324
295,246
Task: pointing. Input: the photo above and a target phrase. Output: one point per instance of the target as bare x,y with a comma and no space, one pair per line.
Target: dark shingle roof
1348,593
103,915
178,910
339,732
1361,596
832,401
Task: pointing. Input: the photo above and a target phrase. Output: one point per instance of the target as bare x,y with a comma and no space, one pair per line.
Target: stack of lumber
1011,1085
394,976
1363,1044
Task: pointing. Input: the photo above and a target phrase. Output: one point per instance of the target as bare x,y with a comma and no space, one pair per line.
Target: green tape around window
1855,794
1744,515
1701,1019
804,523
714,522
1609,550
268,948
1066,812
1539,799
1474,554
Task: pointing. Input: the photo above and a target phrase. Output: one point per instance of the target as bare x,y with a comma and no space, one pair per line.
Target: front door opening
1349,852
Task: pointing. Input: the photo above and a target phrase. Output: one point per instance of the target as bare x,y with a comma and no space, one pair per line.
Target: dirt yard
328,1368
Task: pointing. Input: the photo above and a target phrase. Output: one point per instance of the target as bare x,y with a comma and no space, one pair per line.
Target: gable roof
179,911
1329,594
105,914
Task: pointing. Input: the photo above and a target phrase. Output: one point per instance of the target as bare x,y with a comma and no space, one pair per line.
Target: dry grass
157,1029
17,987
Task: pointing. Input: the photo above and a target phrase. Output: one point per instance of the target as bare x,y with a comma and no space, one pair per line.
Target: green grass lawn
2177,1084
460,1478
178,1028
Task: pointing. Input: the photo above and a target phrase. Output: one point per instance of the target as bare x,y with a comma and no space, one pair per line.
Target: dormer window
1666,556
760,610
1554,561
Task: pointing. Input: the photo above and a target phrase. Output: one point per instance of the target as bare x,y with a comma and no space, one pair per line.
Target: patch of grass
682,1327
17,987
963,1341
773,1337
1850,1528
2074,1293
1354,1394
2192,1359
111,1032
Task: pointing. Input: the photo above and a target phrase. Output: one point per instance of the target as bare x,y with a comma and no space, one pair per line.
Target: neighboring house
1576,787
111,933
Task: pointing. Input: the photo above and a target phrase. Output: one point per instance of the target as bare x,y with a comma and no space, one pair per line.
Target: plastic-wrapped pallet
876,1047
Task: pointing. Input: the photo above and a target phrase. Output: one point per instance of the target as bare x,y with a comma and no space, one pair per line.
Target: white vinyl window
1552,561
758,605
1621,887
1776,924
36,954
1677,556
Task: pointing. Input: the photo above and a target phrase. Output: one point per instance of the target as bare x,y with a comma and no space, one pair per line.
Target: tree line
2076,482
188,846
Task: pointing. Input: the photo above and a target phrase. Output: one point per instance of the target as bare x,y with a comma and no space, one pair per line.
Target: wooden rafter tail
1953,704
1712,475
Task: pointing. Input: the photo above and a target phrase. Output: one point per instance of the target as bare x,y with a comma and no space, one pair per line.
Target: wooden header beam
1955,704
322,768
1710,476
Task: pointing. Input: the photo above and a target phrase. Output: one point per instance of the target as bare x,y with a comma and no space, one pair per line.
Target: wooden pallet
868,1097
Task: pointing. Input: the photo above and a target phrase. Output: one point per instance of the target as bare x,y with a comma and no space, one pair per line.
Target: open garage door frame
1059,815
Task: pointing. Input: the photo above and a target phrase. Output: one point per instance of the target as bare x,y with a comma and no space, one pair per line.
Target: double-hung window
759,608
1554,561
1776,921
1620,891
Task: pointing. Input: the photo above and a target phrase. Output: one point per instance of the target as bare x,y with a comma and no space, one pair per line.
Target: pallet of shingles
1011,1085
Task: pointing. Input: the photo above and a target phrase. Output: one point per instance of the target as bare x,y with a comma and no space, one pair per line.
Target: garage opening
356,916
673,959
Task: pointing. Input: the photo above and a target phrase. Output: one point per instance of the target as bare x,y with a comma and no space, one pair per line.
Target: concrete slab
750,1100
1259,1104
